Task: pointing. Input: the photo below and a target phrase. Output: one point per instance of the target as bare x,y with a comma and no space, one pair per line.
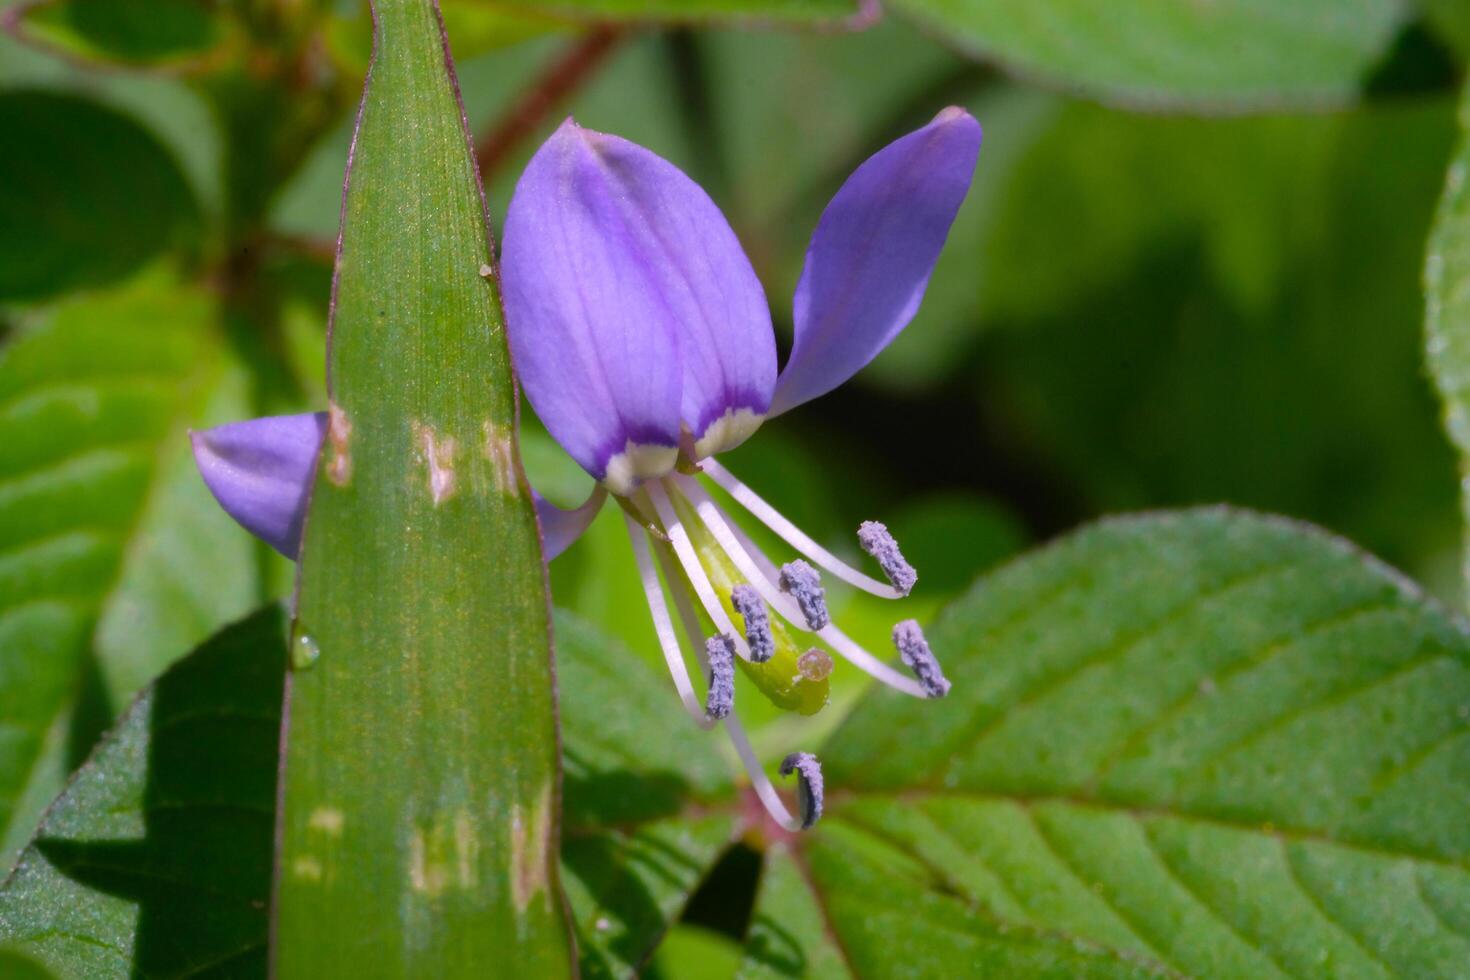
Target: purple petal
870,258
261,471
631,308
560,528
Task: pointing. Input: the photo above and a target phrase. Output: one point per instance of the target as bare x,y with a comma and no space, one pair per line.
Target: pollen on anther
878,542
914,651
808,785
758,636
720,651
802,583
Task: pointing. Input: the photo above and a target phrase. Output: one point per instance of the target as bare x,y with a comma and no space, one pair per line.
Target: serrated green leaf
170,822
159,33
155,861
1447,306
114,560
1206,744
648,805
92,197
420,784
1229,54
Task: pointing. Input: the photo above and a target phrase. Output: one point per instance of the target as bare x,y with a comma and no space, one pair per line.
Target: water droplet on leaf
304,650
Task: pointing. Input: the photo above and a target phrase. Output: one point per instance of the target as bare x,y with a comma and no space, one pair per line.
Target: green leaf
1205,744
172,112
1447,307
420,785
155,861
640,11
170,822
1227,54
91,197
114,560
1452,19
647,809
159,33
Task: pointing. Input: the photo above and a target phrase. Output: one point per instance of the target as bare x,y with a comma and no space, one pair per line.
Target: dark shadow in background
201,873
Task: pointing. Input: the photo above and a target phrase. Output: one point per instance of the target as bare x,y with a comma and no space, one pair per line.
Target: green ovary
779,678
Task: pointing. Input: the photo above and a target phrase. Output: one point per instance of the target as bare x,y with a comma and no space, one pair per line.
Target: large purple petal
870,258
260,471
631,308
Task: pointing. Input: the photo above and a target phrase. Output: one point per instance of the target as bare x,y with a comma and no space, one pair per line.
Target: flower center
717,577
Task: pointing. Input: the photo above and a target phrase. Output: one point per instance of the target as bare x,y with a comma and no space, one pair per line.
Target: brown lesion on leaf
327,820
500,451
438,453
444,855
339,435
306,868
530,849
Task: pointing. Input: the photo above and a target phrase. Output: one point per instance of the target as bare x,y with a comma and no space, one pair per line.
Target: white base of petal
727,431
636,463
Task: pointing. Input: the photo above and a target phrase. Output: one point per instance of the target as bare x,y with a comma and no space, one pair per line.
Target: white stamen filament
664,627
794,535
729,540
684,548
867,663
709,513
759,781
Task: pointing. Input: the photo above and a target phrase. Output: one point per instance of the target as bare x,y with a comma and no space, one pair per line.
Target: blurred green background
1187,272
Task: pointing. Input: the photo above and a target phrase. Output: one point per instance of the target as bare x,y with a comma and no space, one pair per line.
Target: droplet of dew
304,650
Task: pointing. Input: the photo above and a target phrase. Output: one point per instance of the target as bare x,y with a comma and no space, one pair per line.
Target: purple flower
643,340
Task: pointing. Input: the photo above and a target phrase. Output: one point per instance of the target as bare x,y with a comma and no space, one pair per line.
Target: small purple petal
631,308
261,472
870,258
560,528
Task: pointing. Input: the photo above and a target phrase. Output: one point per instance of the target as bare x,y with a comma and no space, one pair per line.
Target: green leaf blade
155,861
1232,54
638,11
649,804
420,791
1447,305
116,196
114,559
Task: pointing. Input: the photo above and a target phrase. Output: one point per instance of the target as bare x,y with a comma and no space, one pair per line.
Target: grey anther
914,651
801,581
876,541
808,785
720,651
747,602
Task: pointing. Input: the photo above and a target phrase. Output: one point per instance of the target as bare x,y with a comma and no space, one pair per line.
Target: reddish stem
560,79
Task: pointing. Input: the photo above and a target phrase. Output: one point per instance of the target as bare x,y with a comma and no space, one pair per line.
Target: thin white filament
709,513
684,548
794,535
664,627
860,658
730,540
759,781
